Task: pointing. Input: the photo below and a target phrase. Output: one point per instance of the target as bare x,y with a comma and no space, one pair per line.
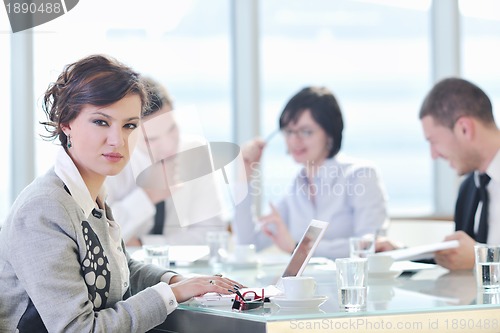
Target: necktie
482,231
159,218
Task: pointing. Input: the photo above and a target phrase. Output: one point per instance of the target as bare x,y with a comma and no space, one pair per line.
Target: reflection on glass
488,298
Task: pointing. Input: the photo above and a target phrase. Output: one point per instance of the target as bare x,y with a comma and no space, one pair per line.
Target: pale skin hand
134,242
157,195
164,173
279,232
252,153
186,288
384,244
272,224
461,257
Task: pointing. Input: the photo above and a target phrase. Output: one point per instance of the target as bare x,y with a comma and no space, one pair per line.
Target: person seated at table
345,192
457,121
147,210
63,265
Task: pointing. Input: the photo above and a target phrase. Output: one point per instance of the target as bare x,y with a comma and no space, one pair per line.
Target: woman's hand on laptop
273,226
186,288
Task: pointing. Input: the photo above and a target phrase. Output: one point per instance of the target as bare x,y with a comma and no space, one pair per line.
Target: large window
374,56
5,106
481,46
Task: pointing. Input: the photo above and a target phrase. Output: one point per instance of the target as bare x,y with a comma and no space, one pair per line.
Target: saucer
314,302
391,274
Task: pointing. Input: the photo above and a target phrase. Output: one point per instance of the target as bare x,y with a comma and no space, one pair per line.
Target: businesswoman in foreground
63,267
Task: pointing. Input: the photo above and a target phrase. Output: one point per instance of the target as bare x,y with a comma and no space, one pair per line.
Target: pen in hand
270,136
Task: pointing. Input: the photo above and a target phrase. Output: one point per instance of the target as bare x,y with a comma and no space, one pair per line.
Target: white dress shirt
69,174
493,189
349,195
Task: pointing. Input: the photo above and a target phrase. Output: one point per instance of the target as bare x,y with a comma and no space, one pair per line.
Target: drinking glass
156,255
351,283
362,247
487,267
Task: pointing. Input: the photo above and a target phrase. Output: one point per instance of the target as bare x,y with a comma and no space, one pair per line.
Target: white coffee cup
299,287
379,263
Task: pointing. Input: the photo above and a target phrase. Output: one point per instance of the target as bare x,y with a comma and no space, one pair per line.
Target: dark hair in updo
96,80
158,97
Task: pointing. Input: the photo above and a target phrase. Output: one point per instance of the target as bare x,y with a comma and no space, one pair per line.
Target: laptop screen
296,265
305,248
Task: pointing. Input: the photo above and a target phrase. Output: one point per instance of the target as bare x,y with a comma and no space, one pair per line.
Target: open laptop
295,267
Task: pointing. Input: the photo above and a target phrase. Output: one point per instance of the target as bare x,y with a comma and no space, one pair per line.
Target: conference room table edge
477,318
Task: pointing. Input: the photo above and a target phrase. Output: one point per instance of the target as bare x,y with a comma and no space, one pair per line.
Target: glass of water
487,297
362,247
487,267
351,283
217,242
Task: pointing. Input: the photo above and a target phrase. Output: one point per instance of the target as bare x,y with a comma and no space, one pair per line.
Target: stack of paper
421,251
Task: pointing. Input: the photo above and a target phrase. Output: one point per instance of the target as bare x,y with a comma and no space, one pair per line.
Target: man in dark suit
457,120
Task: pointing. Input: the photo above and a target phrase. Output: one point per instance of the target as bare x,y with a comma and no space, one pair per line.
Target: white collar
493,169
66,170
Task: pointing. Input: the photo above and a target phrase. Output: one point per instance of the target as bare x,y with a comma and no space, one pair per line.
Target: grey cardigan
57,274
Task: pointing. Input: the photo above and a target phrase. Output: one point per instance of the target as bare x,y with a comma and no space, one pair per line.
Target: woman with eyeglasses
345,192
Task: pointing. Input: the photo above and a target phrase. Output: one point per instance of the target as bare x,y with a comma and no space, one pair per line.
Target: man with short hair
457,120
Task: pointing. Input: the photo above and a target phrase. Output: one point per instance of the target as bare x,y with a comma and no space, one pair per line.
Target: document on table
178,254
425,251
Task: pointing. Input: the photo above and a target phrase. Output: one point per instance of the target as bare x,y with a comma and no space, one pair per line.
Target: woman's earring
68,143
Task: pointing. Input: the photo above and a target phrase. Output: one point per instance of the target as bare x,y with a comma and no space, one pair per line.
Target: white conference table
429,300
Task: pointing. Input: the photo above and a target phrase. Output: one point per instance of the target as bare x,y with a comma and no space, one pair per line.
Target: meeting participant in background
63,266
457,121
345,192
146,211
